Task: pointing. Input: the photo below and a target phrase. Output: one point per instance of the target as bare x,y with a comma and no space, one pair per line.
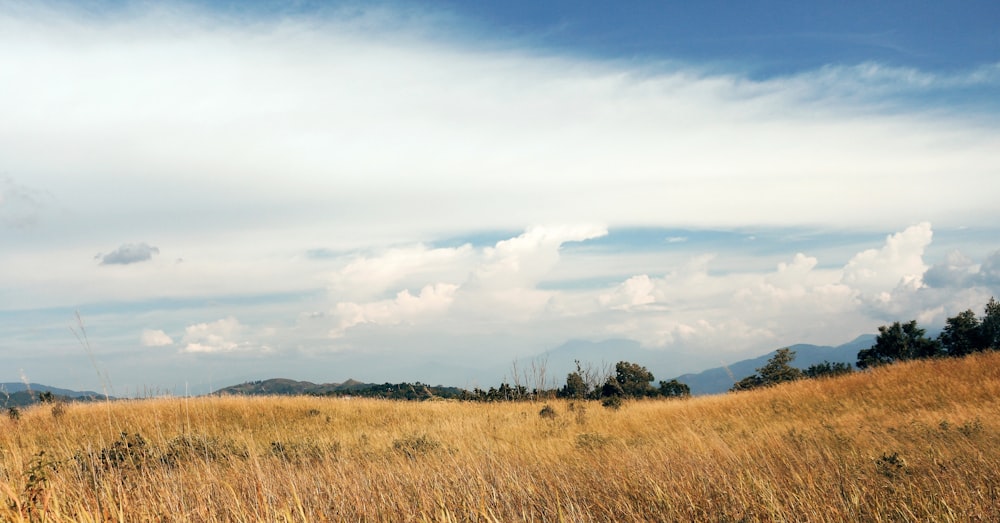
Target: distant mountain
21,395
720,379
285,387
12,387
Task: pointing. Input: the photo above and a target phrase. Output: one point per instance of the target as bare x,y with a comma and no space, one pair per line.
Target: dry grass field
917,441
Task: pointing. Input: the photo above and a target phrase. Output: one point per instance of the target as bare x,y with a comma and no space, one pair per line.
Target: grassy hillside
915,441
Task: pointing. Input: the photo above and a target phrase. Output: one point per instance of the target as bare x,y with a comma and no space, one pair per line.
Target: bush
612,402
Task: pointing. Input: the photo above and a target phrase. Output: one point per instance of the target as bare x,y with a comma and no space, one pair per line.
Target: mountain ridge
556,363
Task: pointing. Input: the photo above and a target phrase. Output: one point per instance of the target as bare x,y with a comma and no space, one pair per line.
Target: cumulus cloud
368,276
155,338
524,260
494,282
432,299
226,335
633,292
898,264
129,253
956,270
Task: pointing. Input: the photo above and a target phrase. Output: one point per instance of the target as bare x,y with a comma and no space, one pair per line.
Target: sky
193,195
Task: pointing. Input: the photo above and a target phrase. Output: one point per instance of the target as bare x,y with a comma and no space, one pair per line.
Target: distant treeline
963,334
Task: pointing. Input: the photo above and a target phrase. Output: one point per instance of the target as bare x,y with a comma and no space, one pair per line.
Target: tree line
963,334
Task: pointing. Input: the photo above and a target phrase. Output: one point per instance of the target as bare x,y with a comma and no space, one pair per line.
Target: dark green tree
612,388
634,379
575,388
827,369
990,325
777,370
898,342
674,389
750,382
962,334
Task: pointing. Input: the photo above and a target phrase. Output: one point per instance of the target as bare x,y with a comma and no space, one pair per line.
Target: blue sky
427,191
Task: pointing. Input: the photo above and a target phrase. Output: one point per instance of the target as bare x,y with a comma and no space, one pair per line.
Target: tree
777,370
750,382
827,369
962,334
576,387
674,389
634,379
898,342
612,388
990,325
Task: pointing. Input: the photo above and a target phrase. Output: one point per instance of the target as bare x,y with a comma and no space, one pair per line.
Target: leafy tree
898,342
634,379
962,334
827,368
575,387
612,388
990,325
777,370
674,389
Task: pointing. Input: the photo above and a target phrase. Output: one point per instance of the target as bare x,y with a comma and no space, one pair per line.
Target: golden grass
917,441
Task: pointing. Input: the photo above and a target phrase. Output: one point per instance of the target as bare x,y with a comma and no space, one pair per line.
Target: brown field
917,441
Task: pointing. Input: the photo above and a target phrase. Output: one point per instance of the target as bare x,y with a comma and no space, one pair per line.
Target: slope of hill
720,379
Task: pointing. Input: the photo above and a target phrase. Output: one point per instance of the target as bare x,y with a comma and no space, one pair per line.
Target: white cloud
221,336
432,299
155,338
371,275
899,263
498,282
522,261
633,292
